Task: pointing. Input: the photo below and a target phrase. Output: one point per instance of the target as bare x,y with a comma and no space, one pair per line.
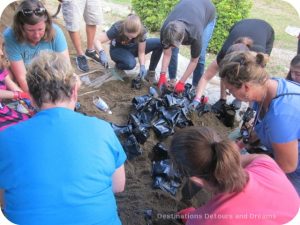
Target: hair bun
262,59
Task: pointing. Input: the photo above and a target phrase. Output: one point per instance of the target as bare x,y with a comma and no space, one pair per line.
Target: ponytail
228,175
200,152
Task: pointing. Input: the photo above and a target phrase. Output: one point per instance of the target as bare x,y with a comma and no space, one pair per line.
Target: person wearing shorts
73,11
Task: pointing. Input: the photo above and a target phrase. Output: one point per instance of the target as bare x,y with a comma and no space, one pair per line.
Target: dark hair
237,47
50,78
20,19
244,40
240,67
200,152
173,33
294,63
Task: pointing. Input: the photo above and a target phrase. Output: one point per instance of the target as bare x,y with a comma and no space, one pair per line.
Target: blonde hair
200,152
20,20
50,78
241,67
132,24
4,63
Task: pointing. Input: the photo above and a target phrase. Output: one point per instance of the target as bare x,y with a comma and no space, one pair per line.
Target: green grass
123,2
279,14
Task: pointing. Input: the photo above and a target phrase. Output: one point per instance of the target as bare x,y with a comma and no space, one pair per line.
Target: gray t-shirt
195,14
118,38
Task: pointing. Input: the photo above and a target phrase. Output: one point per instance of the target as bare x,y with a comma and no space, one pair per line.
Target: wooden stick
89,92
87,73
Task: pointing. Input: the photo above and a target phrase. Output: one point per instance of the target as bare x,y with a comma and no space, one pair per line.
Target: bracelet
16,95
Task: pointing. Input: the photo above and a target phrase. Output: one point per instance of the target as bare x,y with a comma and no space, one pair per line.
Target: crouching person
60,167
246,189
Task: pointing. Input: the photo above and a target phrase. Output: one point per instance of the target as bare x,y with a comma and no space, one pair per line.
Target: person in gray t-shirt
190,23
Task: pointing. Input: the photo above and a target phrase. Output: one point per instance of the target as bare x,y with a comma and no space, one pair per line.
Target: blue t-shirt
57,168
24,51
281,123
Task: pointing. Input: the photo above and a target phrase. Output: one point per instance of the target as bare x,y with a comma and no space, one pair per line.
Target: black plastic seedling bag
203,108
166,185
140,102
160,152
132,147
227,115
141,133
162,129
122,130
171,115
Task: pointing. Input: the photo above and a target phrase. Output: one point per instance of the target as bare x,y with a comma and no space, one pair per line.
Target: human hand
194,104
103,58
179,87
18,95
162,80
143,71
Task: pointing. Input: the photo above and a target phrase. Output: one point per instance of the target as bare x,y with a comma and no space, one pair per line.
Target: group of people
68,173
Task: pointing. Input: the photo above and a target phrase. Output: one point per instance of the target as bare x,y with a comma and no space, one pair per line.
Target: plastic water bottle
101,104
153,92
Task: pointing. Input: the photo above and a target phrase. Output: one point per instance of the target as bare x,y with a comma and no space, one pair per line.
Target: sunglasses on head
37,12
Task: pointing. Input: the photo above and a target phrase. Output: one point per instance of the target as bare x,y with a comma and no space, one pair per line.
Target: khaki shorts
74,10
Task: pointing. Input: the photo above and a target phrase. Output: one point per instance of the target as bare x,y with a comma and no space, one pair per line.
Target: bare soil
139,196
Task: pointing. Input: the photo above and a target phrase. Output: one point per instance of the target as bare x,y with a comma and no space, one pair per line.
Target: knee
127,64
131,63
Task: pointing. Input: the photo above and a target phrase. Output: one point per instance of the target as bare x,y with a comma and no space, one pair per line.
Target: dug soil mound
139,197
140,203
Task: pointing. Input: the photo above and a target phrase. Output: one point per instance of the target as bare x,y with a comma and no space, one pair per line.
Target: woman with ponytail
246,35
244,187
276,102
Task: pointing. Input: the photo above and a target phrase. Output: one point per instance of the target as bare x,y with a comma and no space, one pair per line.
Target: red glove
20,95
203,99
162,80
179,87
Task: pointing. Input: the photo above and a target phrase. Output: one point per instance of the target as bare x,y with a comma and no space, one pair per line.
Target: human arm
286,155
98,45
66,54
60,42
19,72
190,69
10,84
17,95
211,71
141,52
118,180
164,67
102,38
166,59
